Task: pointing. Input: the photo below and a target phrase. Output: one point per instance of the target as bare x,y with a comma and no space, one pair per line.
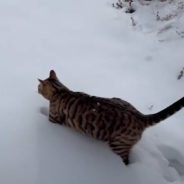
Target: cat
111,120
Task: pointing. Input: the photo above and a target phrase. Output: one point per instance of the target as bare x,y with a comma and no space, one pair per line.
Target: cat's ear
41,81
52,75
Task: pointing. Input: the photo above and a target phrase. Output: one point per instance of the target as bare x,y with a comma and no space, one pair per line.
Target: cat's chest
56,113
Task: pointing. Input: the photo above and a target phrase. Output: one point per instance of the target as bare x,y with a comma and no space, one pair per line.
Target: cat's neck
59,94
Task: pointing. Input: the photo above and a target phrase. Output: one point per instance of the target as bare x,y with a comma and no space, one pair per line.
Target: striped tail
153,119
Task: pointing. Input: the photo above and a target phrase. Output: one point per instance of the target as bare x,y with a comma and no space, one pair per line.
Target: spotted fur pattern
111,120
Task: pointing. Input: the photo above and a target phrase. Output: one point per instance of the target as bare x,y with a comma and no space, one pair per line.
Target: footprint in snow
174,157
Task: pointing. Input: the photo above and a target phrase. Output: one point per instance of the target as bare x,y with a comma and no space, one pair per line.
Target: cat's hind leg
122,149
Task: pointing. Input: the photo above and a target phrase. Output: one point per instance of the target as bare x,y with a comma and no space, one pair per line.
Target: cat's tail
153,119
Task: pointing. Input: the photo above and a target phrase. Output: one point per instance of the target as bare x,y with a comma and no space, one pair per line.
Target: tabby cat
111,120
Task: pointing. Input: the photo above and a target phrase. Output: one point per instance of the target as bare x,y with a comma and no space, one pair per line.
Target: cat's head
50,86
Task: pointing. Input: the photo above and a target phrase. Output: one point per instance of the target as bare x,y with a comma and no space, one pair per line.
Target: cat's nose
39,89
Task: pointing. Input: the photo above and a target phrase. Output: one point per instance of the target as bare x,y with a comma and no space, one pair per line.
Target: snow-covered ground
94,48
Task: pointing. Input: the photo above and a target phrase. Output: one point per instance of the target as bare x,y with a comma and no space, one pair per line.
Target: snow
95,49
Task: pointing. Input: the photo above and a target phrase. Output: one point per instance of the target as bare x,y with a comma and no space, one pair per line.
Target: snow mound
164,18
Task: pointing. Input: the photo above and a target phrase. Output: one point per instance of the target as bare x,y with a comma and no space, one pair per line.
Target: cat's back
100,104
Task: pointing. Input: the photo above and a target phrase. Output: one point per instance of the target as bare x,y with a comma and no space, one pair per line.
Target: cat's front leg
55,119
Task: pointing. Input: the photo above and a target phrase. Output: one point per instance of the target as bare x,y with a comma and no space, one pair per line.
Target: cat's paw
44,111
